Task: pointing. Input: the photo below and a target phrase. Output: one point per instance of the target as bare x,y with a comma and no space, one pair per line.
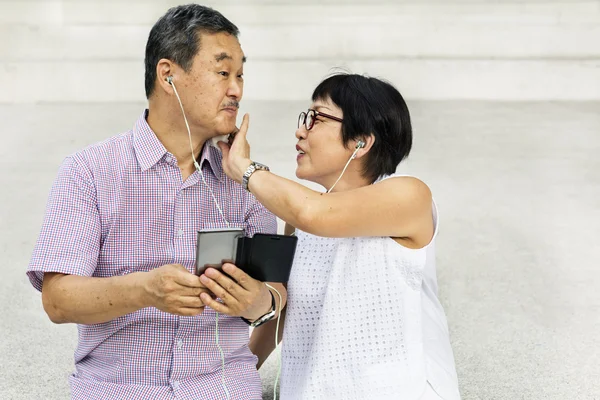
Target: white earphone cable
344,170
194,158
277,341
228,396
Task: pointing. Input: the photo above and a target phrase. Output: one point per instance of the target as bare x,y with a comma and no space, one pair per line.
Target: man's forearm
89,300
262,341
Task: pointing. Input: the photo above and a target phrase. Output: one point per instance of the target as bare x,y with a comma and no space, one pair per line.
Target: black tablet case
267,258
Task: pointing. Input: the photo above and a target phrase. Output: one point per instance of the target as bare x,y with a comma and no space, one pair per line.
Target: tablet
215,247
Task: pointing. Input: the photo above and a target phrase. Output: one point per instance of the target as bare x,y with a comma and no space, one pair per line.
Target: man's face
214,86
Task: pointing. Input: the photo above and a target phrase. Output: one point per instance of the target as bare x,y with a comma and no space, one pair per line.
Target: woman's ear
363,145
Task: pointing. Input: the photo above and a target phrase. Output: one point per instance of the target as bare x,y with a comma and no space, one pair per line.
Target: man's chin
226,127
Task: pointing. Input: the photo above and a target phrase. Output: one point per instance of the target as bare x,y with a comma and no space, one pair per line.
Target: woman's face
321,152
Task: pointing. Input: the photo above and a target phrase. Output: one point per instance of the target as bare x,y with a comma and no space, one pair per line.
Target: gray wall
84,50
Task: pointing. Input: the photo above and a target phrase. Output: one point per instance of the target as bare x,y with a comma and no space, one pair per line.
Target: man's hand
173,289
241,296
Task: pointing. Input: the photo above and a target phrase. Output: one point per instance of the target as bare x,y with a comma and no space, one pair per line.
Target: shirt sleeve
69,241
259,219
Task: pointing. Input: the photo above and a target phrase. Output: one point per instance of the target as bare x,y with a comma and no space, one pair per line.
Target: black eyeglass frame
303,120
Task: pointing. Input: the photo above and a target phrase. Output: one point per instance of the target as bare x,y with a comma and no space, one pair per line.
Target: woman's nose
301,132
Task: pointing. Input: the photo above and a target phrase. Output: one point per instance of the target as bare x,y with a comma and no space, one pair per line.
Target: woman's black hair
371,107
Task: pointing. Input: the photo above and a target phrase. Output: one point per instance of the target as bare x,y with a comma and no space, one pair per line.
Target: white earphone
359,145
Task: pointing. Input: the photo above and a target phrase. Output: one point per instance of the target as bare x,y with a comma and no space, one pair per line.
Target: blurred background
505,101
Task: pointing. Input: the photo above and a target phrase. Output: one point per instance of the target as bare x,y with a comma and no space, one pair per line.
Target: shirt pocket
206,226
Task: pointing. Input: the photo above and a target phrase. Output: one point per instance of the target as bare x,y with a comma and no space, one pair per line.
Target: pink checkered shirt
121,206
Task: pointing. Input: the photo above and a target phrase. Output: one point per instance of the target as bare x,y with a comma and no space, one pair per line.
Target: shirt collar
149,150
212,155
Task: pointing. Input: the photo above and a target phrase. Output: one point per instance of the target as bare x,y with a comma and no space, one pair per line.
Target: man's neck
173,134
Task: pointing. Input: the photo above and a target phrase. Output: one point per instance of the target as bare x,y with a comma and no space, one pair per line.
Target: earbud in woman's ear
359,145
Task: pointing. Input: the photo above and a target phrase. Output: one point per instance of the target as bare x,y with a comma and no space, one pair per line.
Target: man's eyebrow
224,56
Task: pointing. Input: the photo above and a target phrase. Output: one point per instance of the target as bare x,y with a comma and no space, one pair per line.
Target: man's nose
235,89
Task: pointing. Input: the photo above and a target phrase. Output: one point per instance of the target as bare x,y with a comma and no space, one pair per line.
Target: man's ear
165,69
367,142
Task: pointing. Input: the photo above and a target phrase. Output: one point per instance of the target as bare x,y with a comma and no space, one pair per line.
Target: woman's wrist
242,167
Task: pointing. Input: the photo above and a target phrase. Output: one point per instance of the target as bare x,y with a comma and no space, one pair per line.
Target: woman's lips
301,153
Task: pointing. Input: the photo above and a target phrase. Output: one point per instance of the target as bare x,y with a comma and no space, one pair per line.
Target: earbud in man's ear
170,79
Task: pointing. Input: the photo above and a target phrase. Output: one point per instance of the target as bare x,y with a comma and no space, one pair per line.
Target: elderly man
117,247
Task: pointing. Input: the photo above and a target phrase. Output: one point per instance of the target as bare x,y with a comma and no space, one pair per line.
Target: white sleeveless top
364,322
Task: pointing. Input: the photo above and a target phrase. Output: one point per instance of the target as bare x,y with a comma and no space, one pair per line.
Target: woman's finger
241,134
240,144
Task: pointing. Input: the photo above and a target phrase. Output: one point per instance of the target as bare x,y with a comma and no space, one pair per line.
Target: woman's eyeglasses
308,118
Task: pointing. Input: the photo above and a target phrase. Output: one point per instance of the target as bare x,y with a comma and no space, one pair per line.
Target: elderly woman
363,320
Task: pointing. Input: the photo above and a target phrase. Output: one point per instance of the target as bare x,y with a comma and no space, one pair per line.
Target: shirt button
175,385
180,233
179,344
